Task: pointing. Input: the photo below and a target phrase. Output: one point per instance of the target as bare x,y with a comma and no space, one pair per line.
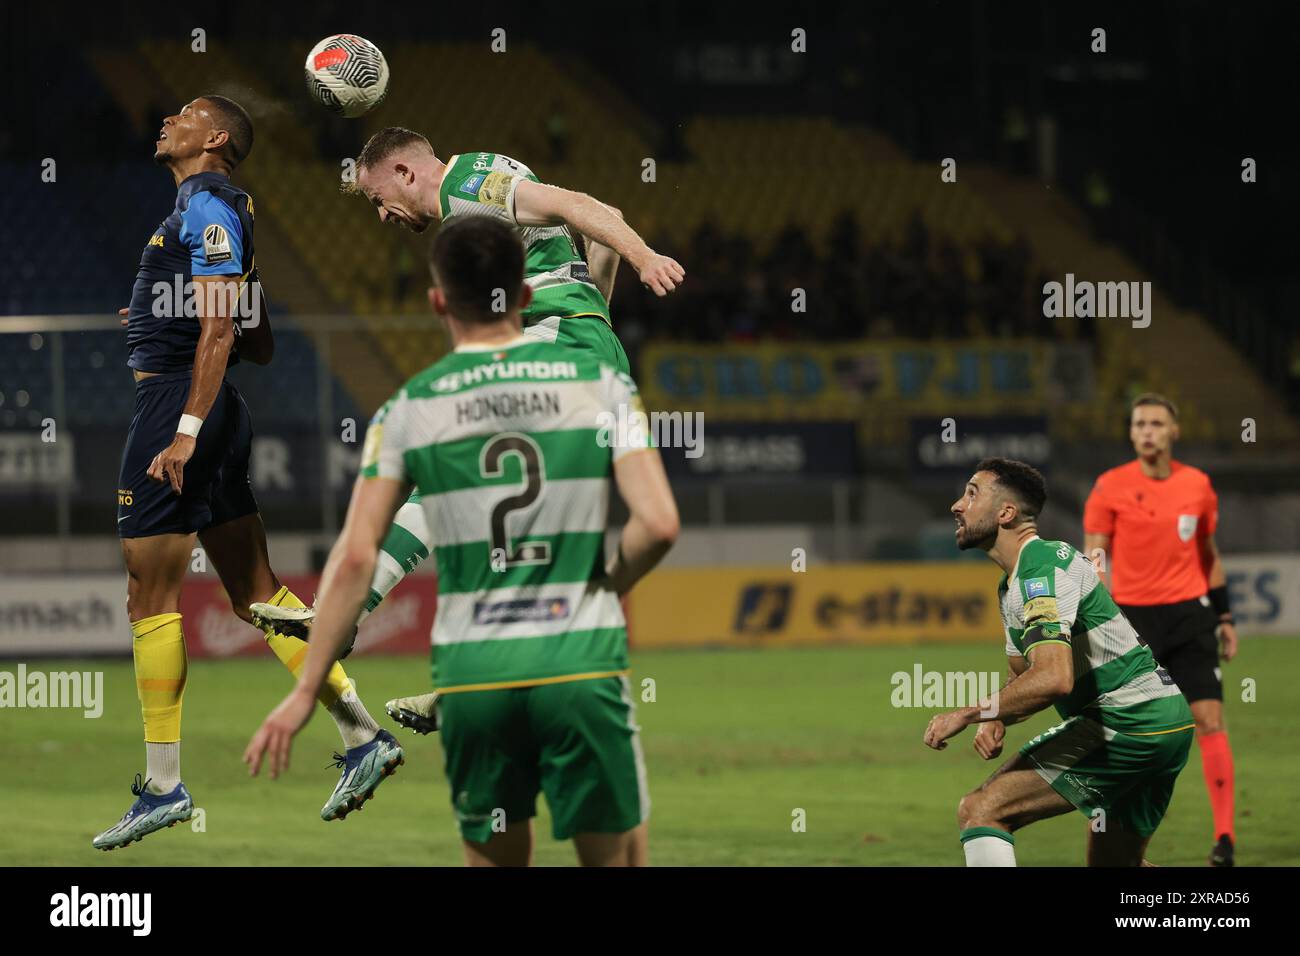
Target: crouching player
1126,727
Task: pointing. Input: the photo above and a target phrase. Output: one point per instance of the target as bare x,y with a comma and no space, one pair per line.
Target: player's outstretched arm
653,525
345,582
602,262
537,204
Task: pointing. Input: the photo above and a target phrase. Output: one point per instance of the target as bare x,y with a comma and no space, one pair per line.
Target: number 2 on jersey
491,465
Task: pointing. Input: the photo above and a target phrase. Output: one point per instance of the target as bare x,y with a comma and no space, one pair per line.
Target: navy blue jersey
209,233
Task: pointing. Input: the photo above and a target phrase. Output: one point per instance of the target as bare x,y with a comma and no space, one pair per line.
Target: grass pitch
736,742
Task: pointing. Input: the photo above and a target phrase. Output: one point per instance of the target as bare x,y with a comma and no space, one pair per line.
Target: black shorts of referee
1182,638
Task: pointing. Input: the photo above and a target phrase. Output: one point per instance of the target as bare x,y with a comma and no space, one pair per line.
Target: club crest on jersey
216,244
472,184
1186,527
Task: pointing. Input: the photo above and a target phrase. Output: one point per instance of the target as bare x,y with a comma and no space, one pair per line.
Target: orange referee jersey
1156,528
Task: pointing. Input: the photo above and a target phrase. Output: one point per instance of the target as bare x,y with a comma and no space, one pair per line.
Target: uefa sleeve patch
216,244
1036,587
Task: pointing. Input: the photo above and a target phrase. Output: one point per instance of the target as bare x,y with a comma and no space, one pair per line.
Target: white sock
355,724
162,766
989,850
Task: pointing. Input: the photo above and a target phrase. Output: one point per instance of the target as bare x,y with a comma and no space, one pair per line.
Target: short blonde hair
388,141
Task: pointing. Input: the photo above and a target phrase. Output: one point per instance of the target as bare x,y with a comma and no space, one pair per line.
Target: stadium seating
78,260
332,258
98,389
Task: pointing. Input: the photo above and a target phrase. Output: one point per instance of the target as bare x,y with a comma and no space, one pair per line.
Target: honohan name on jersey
507,405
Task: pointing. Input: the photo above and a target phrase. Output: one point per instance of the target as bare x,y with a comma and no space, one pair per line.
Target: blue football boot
364,769
150,812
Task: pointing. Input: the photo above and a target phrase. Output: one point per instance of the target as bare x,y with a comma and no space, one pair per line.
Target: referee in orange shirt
1154,519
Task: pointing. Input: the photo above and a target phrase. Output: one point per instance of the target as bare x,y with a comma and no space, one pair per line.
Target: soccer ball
348,74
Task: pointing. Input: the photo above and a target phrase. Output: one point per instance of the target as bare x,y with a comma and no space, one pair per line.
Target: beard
977,535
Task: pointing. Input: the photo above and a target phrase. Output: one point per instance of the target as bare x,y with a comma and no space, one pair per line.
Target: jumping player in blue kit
196,308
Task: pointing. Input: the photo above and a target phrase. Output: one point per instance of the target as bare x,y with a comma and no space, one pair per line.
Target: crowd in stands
921,286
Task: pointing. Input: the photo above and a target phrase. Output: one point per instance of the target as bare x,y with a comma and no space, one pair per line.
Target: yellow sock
160,670
292,652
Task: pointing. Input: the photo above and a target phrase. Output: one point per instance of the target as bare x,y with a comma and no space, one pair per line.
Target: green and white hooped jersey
1054,596
511,454
484,184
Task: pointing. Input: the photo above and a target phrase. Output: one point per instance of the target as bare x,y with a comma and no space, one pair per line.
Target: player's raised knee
972,810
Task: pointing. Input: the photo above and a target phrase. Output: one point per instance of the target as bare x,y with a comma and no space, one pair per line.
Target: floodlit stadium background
841,302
